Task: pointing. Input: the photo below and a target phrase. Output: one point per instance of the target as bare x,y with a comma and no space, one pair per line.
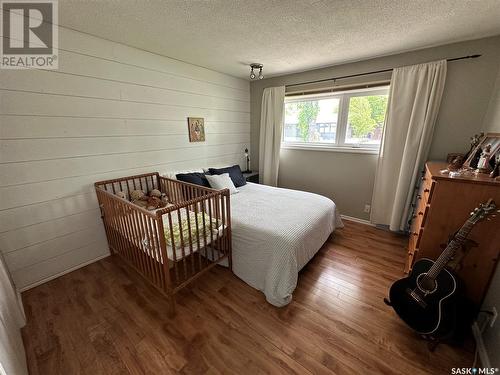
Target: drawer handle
415,233
426,190
419,196
420,213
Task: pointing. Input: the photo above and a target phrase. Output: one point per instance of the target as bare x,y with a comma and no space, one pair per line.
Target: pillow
222,181
196,178
171,174
234,173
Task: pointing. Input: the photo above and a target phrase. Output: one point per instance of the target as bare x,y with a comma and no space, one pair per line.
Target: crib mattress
184,251
211,231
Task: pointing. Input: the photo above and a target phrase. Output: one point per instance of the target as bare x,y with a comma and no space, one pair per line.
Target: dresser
443,204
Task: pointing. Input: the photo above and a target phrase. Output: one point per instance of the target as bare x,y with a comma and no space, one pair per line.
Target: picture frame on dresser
492,139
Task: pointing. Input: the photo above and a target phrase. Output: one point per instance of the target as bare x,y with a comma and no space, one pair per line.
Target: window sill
344,149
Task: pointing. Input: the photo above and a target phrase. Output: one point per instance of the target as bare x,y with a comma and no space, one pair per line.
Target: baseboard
356,220
481,349
47,279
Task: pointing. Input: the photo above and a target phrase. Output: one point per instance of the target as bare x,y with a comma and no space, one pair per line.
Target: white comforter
275,233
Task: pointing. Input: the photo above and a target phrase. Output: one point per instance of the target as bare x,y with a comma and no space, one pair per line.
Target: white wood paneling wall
108,111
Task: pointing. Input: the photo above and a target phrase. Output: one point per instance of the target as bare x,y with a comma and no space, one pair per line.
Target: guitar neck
450,250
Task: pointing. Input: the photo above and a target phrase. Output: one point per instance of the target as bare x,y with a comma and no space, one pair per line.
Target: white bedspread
275,233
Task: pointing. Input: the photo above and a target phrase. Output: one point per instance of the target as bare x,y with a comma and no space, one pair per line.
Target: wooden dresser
443,204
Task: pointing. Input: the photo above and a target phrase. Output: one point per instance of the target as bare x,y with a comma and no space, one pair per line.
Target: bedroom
283,269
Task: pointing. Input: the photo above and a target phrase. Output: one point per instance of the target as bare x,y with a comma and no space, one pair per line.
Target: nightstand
251,177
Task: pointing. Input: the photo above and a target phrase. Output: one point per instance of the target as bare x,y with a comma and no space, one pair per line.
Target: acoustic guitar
426,299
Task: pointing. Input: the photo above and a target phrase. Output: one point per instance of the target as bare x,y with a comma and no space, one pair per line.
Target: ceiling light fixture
256,66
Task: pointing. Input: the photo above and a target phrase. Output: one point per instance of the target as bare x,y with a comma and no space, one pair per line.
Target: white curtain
271,128
414,99
12,356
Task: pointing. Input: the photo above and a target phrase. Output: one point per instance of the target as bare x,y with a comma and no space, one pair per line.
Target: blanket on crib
186,232
196,226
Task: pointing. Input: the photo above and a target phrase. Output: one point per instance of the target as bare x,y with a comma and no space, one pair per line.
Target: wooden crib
172,246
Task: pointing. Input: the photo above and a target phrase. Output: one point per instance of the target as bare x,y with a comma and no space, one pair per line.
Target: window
350,119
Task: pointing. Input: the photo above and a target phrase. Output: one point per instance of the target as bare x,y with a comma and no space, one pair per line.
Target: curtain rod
373,72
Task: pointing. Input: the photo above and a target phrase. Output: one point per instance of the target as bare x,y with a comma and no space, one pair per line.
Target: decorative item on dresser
482,157
442,203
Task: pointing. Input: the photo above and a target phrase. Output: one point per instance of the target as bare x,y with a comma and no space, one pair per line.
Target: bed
275,232
266,235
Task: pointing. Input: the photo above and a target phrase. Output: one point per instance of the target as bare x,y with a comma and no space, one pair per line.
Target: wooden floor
103,320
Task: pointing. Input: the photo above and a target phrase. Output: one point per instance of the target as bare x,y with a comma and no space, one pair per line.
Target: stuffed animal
151,202
122,195
136,195
164,198
155,193
139,198
142,202
154,203
158,194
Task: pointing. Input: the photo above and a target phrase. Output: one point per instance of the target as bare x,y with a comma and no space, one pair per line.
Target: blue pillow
234,172
196,178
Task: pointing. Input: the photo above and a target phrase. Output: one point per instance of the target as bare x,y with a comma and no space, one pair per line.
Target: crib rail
197,246
145,182
172,246
179,191
127,227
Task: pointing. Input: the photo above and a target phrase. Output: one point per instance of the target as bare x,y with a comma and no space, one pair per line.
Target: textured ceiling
286,36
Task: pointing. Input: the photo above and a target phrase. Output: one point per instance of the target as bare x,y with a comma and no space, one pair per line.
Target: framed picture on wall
196,127
482,158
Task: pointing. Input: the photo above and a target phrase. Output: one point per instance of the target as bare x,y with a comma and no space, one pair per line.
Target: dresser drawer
415,237
409,261
427,178
419,217
413,243
427,192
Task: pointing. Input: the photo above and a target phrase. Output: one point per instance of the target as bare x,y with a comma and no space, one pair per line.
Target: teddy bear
136,195
158,194
139,198
154,203
155,193
150,202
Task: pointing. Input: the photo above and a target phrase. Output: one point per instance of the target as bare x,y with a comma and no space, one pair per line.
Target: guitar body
427,306
427,300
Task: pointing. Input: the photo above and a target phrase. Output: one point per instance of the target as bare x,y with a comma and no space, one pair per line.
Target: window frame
342,122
